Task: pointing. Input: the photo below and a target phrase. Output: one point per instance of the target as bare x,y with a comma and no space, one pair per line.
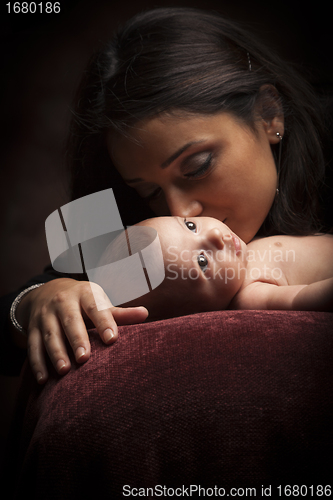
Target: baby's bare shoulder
285,242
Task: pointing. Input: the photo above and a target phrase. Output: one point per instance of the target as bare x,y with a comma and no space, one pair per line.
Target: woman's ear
269,109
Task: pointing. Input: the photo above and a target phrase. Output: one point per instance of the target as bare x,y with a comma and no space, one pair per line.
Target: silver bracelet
16,303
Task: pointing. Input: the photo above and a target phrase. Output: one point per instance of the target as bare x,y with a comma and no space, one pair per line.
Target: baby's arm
317,296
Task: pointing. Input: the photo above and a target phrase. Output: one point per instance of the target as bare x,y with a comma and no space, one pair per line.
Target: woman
190,113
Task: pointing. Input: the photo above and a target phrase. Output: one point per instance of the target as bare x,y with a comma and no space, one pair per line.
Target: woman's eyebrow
180,151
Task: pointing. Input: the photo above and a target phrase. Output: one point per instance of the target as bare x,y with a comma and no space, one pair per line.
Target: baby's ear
269,109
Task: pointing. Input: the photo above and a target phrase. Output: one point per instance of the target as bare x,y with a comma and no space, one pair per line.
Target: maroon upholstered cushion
227,399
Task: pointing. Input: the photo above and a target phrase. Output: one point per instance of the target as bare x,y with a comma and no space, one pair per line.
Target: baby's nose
227,237
216,238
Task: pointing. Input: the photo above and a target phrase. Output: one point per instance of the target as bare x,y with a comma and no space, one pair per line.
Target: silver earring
279,154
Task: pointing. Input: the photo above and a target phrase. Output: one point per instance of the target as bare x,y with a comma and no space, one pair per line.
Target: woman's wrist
19,315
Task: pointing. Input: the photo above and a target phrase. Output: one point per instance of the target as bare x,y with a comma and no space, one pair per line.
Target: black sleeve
11,356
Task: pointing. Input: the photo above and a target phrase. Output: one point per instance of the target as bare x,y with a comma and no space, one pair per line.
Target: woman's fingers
58,310
76,332
129,315
36,355
66,322
105,316
97,307
49,338
54,344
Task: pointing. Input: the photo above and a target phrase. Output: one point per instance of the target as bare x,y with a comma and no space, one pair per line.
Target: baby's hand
58,310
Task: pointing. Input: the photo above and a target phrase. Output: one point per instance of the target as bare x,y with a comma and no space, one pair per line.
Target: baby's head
205,264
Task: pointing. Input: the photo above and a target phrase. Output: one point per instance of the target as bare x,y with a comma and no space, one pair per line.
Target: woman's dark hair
198,62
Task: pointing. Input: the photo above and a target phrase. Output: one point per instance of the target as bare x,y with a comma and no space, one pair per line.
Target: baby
208,267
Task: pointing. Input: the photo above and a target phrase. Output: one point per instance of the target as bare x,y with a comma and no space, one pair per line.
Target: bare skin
241,174
206,261
223,168
62,308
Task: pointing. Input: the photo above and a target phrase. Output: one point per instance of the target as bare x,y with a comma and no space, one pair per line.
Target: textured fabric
233,398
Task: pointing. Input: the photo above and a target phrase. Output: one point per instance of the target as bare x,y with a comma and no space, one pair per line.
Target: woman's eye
201,169
202,261
190,225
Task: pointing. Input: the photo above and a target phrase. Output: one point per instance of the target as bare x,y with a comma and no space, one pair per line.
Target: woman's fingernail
60,365
39,377
108,335
80,351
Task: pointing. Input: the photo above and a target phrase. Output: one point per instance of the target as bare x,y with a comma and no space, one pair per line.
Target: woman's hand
58,310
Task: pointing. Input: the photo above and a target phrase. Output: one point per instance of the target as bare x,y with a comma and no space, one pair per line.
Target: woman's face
202,165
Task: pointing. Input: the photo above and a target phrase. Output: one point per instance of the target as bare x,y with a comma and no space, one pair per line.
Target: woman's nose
215,237
182,204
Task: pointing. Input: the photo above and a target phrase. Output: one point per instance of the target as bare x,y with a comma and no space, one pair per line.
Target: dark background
43,57
42,60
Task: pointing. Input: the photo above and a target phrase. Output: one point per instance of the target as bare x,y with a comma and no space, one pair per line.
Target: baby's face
203,258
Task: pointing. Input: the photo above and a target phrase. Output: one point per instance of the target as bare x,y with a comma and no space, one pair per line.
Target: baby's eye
203,262
190,225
